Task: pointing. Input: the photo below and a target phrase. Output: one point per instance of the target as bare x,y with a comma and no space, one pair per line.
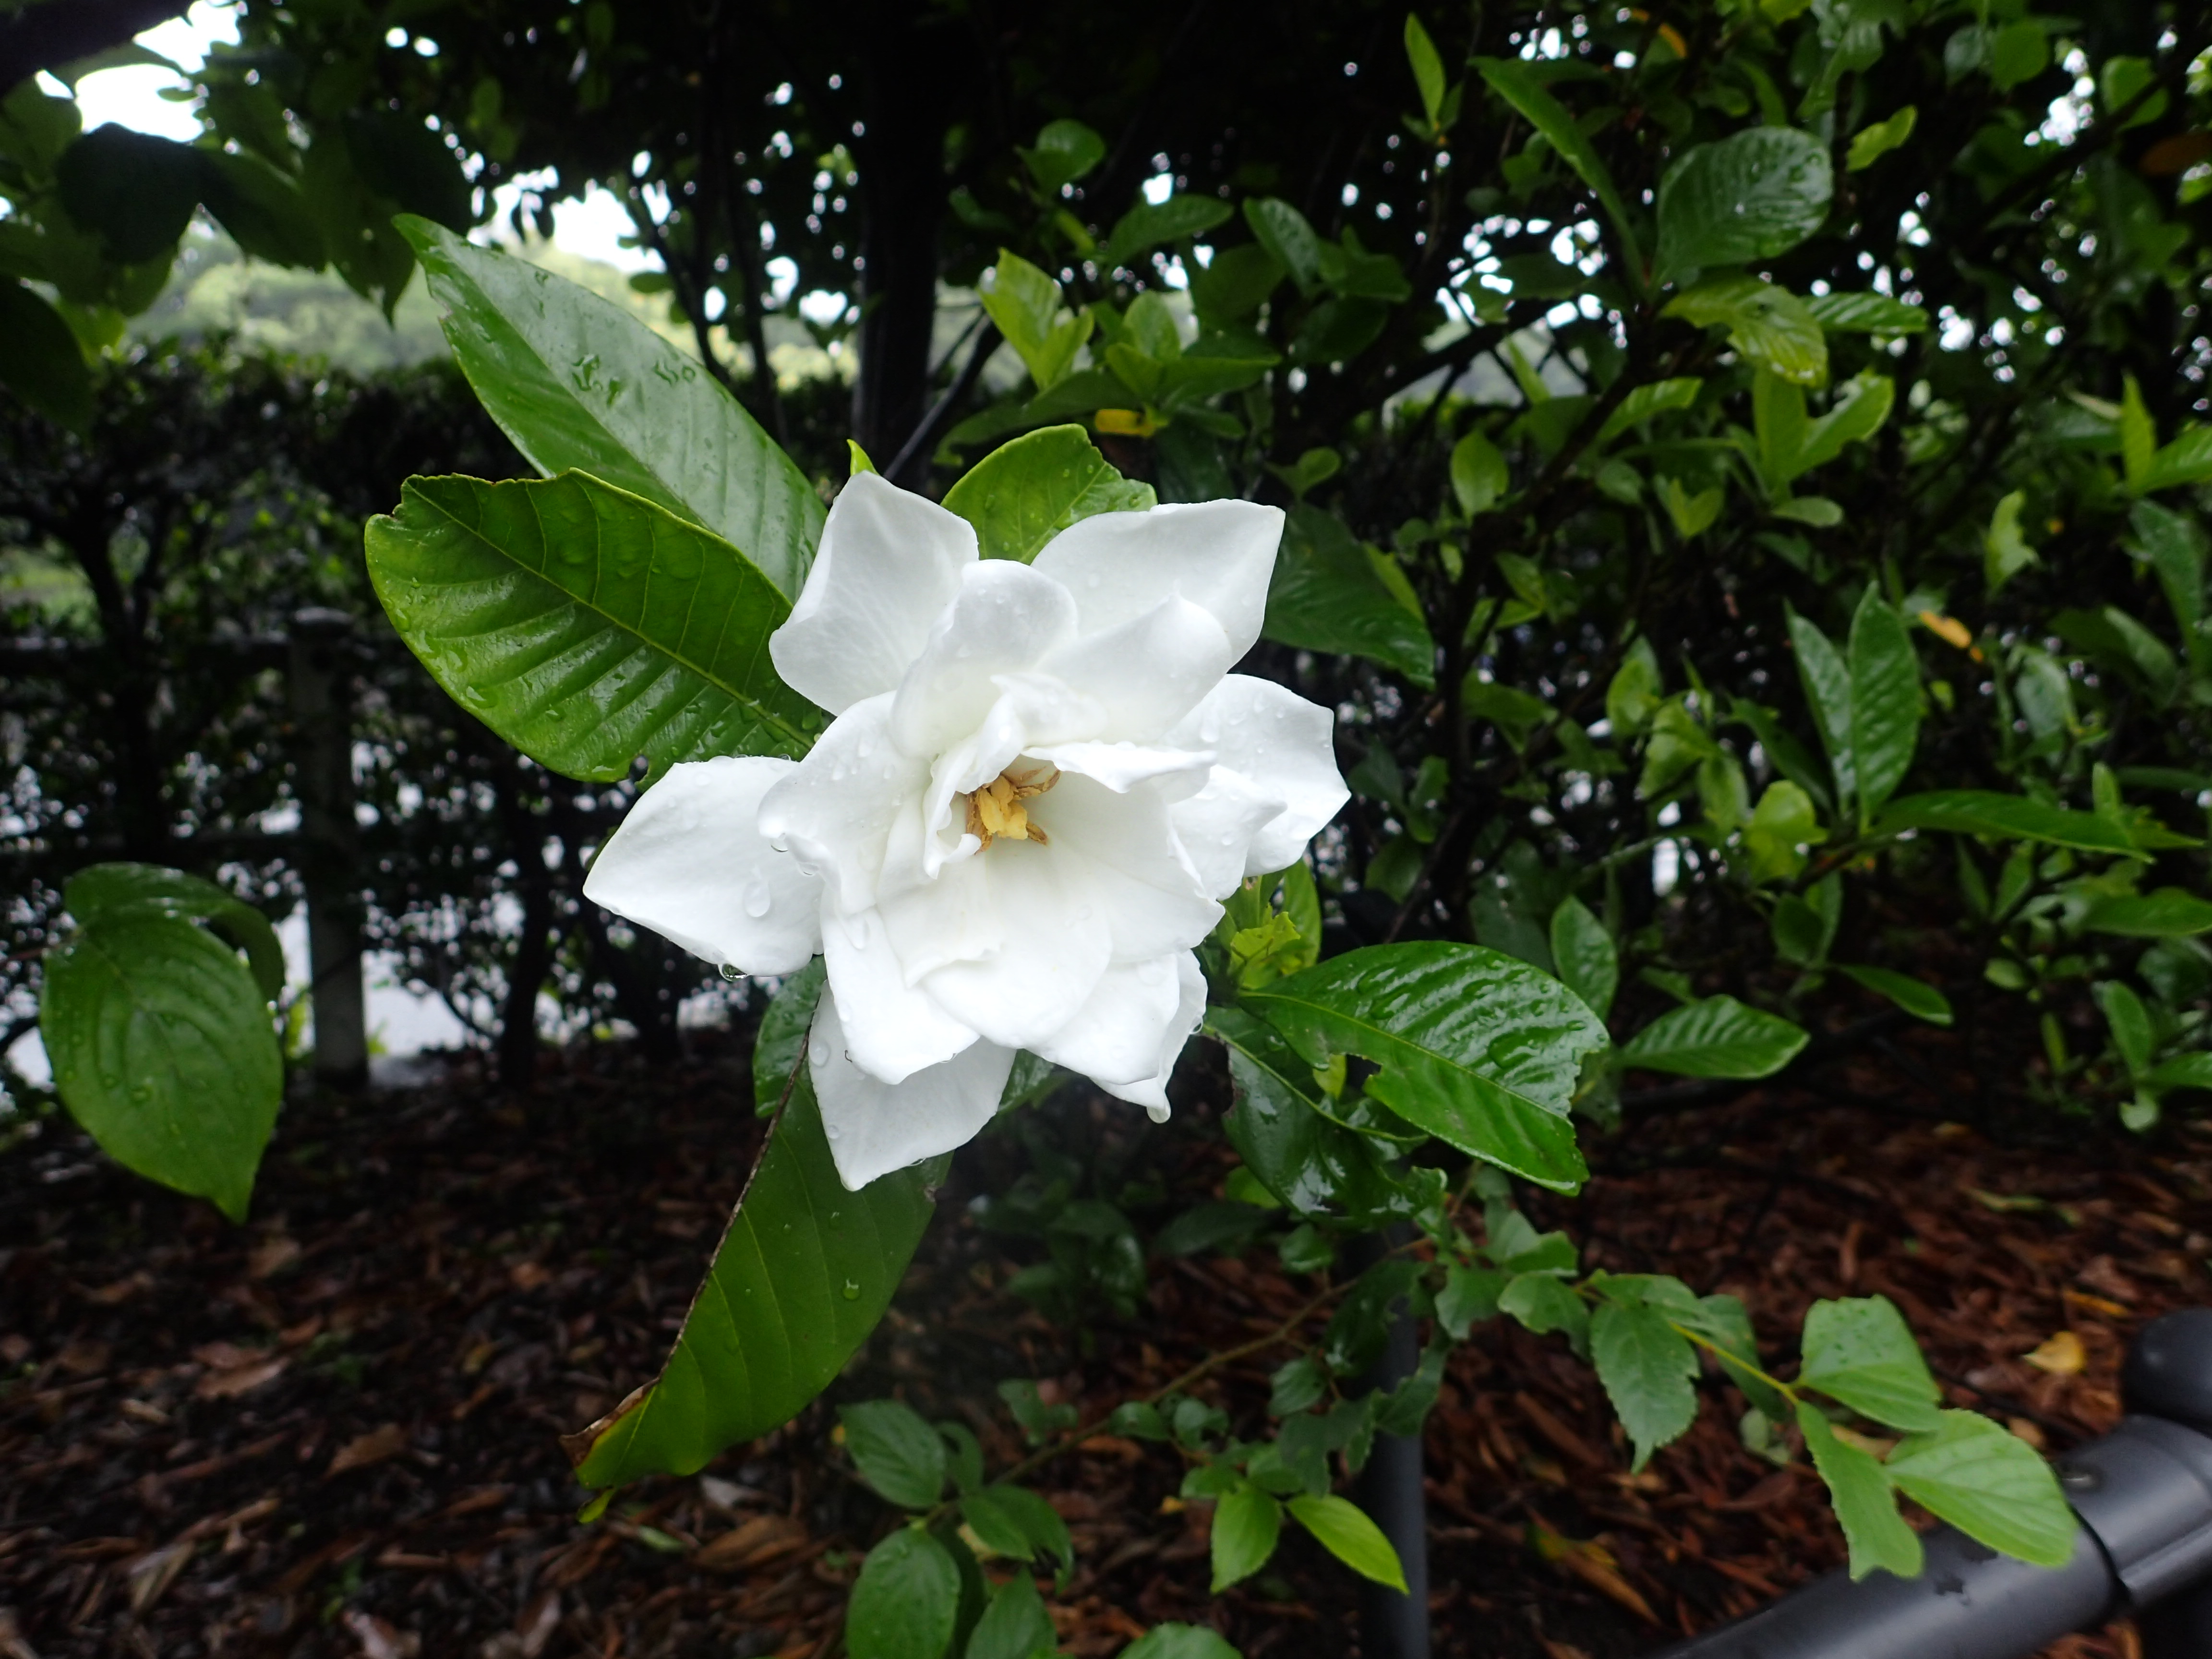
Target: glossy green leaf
1289,238
1768,325
803,1272
1828,684
1648,1370
1179,1641
906,1600
1022,494
101,892
1479,477
1018,1524
1015,1625
1871,142
2166,913
1654,397
1347,1532
40,361
1989,1484
1024,302
1474,1046
1745,199
1428,67
585,625
1885,700
2131,1022
898,1455
782,1037
1585,956
1149,224
1247,1522
1718,1036
1916,997
578,382
2007,818
162,1047
2186,460
2182,1072
1860,1353
1065,151
1541,1303
1516,84
1326,595
1865,311
1874,1531
1861,406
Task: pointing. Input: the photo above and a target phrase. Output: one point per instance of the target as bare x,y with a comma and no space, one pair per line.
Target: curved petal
888,562
1122,766
1216,824
1218,554
1152,1092
1150,671
892,1031
936,916
1120,855
1279,743
1055,945
1003,619
875,1127
834,810
1116,1037
690,862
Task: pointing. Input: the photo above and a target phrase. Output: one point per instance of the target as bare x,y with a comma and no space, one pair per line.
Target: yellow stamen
995,811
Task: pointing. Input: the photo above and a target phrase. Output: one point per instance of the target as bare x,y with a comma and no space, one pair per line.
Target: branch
924,437
60,31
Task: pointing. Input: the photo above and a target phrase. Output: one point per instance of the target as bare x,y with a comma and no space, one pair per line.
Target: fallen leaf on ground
84,1358
379,1639
371,1447
764,1538
272,1256
2063,1355
151,1575
229,1384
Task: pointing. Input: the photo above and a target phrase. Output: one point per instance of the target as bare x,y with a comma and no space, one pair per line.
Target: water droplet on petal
819,1052
731,973
831,1130
757,900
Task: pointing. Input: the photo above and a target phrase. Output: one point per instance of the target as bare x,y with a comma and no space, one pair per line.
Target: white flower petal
891,1029
1057,943
1150,671
690,862
1122,766
1116,1037
935,917
1217,825
834,809
875,1127
1121,855
888,562
1279,743
1218,554
1003,619
1152,1092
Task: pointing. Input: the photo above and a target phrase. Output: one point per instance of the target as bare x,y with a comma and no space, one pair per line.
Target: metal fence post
1389,1488
321,678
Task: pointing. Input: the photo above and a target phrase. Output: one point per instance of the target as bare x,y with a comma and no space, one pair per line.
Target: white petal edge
689,861
1217,825
1281,744
1116,1037
1219,556
834,809
875,1128
1150,671
888,562
1152,1092
1004,618
892,1031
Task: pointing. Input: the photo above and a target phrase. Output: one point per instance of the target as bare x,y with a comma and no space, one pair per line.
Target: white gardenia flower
1040,780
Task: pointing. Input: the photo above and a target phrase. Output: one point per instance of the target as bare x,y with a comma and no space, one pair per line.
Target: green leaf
1428,73
1479,477
134,191
1541,1303
1474,1045
1875,1532
2186,460
1654,397
800,1279
1744,199
102,891
1516,84
1722,1321
1865,311
1236,284
1015,1625
2168,913
1870,143
40,361
1022,494
1065,151
2182,1072
1470,1296
585,625
906,1600
1347,1532
2008,817
898,1455
1024,302
1862,404
1784,822
1018,1523
2131,1022
1585,956
410,166
1246,1524
2138,436
578,382
1148,224
1918,998
1648,1368
1718,1037
162,1049
782,1037
1768,325
1860,1353
1828,690
1989,1484
1179,1641
1885,700
262,208
2005,551
2173,546
1325,595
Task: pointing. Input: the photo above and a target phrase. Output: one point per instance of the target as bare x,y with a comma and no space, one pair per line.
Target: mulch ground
333,1432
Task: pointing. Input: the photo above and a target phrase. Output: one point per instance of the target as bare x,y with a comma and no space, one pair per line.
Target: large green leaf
1748,197
102,891
1827,682
134,190
1860,1352
803,1272
1875,1532
1718,1037
1648,1370
579,382
1347,1532
1148,224
1588,960
40,361
1474,1046
1022,494
907,1601
2007,818
897,1454
2168,913
1326,595
1768,325
162,1047
1885,700
1516,84
585,625
1989,1484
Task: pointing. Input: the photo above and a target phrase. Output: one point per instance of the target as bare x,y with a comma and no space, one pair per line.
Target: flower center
995,811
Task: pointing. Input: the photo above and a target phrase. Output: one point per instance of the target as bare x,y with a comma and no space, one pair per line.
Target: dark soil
334,1431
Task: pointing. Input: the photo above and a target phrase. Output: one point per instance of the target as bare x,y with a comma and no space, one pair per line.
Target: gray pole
1391,1625
321,674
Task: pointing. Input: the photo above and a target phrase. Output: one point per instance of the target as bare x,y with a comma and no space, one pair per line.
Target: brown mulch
333,1431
